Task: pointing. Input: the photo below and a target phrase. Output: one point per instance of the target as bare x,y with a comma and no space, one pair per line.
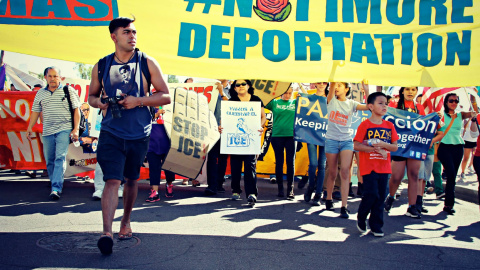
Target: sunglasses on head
240,84
453,101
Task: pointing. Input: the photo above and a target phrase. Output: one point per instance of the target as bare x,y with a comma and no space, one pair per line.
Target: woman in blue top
450,151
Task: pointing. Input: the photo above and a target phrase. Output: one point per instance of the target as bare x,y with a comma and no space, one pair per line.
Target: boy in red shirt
375,139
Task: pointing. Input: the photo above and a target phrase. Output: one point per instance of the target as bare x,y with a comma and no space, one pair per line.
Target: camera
113,105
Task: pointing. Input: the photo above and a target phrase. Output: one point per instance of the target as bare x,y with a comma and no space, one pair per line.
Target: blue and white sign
311,119
241,122
415,132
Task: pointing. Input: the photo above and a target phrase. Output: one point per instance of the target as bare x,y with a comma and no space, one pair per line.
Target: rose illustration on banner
273,10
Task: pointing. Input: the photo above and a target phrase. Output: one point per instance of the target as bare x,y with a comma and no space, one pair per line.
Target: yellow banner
386,42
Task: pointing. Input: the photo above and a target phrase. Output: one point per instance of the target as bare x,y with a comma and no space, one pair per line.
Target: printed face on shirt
123,79
379,107
409,93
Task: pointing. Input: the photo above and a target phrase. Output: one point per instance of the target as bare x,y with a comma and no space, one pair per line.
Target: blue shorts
335,147
119,158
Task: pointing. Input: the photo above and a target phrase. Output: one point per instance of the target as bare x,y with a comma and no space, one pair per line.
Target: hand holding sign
193,131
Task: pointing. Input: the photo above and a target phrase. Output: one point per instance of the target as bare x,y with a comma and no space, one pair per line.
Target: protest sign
241,122
357,118
209,90
16,151
79,160
311,119
427,43
268,90
192,129
415,132
81,86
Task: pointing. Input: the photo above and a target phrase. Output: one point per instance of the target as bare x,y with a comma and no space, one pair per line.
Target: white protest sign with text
241,122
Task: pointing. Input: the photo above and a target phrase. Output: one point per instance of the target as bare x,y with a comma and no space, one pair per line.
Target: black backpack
83,122
104,68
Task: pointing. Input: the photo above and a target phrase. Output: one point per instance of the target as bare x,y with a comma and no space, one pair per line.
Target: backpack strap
144,67
103,69
67,96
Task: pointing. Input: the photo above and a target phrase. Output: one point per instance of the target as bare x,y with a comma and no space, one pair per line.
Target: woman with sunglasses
244,93
406,102
450,151
283,143
316,157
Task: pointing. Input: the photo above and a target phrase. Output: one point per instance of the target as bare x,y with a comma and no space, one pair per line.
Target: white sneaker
97,195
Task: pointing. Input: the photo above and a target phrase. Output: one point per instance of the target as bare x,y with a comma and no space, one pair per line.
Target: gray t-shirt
340,119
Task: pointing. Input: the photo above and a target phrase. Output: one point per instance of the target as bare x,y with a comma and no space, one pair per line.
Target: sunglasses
453,101
85,110
240,84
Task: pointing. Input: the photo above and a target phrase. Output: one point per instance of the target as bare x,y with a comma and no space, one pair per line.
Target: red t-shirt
410,105
374,161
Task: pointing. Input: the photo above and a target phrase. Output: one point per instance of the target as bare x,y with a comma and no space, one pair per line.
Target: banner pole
303,89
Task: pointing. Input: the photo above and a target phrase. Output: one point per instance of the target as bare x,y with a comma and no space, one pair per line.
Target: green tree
172,79
84,70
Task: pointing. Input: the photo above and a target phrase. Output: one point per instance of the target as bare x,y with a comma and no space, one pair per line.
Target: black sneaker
362,226
388,203
344,212
413,212
350,191
316,200
290,196
252,199
421,209
440,195
303,181
337,195
360,189
273,180
378,233
449,210
329,205
308,194
209,192
54,195
220,190
280,194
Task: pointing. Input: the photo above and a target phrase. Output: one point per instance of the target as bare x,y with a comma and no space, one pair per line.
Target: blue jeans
374,193
55,149
313,165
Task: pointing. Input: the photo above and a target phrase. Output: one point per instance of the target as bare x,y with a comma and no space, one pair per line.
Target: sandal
105,243
125,233
195,183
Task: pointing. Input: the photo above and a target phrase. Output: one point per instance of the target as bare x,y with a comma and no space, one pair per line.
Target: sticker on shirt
125,79
338,118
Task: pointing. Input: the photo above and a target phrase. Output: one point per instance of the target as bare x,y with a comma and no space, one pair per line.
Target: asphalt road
191,231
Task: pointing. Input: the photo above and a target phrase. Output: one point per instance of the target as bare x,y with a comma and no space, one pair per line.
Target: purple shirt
159,141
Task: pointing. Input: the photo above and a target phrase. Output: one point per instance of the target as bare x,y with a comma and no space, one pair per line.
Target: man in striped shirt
57,125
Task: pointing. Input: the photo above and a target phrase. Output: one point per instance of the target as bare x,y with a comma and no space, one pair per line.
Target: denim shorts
119,158
335,147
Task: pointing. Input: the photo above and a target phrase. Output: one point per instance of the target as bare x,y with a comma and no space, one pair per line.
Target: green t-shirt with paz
283,117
